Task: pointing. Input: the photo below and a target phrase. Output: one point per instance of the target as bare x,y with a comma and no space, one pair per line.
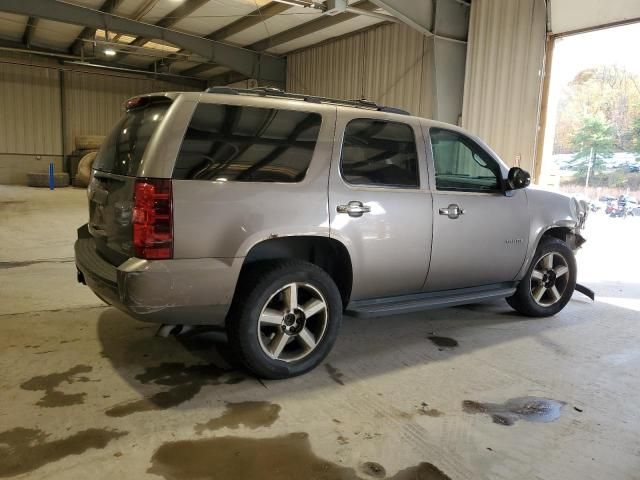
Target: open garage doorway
592,150
592,135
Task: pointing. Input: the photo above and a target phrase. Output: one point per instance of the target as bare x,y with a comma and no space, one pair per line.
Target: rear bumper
183,291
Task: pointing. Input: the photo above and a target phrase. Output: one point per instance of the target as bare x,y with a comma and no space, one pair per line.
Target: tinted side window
462,165
379,153
247,144
121,152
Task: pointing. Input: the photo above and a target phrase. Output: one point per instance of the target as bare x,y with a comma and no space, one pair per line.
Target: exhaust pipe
167,330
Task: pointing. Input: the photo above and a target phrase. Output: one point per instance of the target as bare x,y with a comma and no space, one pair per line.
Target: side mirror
518,178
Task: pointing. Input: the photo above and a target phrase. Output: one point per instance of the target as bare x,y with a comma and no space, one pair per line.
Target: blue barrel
51,179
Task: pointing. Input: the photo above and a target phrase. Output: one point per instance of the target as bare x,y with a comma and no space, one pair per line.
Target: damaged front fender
575,240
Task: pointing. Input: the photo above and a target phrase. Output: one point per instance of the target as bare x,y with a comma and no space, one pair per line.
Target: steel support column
450,22
445,23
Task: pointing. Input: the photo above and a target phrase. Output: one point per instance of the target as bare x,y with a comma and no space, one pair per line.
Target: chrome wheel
292,322
549,279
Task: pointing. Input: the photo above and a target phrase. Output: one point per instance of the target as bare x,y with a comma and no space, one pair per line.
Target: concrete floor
86,392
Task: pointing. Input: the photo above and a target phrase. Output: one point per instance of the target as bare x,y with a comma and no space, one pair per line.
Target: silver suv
270,214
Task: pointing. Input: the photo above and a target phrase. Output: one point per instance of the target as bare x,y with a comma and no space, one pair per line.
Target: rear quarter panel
215,219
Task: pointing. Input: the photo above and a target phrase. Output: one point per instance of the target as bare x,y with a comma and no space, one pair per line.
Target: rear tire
284,319
549,282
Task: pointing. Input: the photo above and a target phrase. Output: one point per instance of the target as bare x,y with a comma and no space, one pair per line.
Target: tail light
153,219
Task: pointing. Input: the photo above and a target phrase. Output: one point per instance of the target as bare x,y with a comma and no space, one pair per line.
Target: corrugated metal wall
387,64
94,101
505,59
30,110
30,106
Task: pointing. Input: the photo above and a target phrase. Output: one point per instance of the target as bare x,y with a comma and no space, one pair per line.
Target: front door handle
453,211
353,209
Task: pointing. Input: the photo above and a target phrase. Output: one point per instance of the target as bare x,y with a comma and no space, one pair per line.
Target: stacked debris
86,150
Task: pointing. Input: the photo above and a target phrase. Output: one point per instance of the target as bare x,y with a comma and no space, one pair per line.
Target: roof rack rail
276,92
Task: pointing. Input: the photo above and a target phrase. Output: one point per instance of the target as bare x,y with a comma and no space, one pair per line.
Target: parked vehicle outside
270,215
624,206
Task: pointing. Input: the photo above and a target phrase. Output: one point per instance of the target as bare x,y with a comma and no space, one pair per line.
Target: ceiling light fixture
109,52
302,3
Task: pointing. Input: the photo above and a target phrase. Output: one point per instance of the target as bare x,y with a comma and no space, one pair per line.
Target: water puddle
23,450
53,397
185,382
278,458
248,414
531,409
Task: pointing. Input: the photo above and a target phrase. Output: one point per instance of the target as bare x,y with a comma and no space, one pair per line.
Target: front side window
247,144
460,164
379,153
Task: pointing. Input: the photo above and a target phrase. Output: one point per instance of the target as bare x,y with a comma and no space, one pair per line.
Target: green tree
607,90
595,136
635,134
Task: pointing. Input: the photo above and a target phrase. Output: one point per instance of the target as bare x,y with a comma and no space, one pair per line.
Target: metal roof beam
310,27
169,20
198,69
424,17
417,15
250,20
29,31
108,6
250,63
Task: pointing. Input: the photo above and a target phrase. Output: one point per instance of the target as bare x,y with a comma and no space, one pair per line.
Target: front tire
284,319
549,282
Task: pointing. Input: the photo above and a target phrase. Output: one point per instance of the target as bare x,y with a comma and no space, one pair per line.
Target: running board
417,302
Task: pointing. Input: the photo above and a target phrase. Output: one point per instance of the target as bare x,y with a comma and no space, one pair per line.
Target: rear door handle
353,209
453,211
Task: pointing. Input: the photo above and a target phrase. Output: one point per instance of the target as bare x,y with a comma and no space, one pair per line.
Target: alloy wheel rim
292,322
549,279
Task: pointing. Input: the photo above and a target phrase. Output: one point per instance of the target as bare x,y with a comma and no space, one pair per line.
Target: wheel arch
327,253
568,234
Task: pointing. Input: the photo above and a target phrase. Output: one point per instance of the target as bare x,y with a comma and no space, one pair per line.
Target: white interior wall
387,64
504,73
570,15
31,104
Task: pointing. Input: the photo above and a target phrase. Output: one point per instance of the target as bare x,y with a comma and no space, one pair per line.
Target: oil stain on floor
443,342
373,469
49,384
248,414
184,382
531,409
335,374
277,458
23,450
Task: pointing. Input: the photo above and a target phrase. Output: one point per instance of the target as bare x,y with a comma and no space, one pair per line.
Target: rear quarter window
122,150
247,144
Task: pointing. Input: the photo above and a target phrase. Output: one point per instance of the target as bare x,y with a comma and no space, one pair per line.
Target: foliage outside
600,109
592,142
635,132
607,91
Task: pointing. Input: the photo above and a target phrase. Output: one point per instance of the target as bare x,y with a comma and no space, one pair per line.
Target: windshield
123,149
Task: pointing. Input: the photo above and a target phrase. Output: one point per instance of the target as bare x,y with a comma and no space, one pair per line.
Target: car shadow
160,368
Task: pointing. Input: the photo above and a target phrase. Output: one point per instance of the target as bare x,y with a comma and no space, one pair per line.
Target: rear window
247,144
121,152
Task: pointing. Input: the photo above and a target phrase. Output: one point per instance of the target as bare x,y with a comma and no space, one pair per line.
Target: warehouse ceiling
576,15
271,29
